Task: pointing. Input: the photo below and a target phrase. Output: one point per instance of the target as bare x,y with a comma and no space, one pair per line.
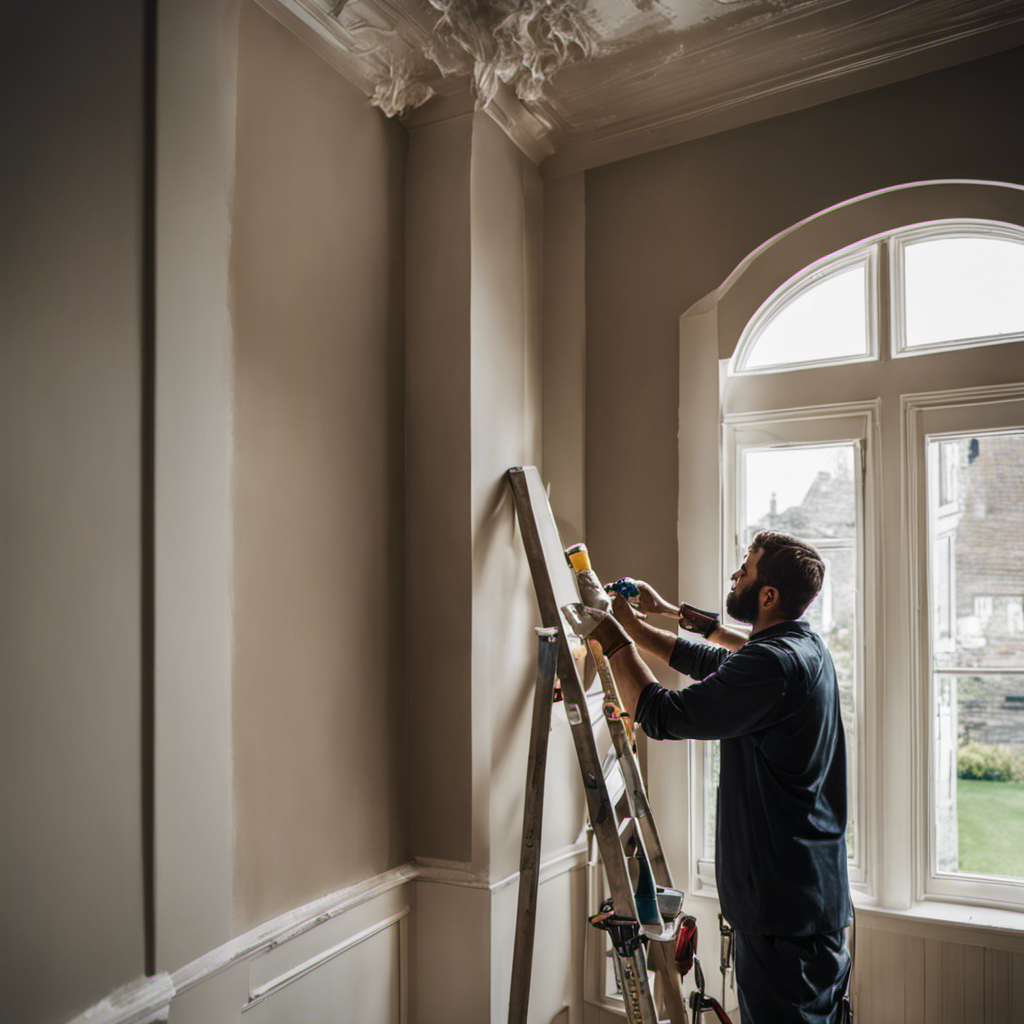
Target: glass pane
826,321
963,288
977,530
810,492
979,770
712,760
976,526
806,491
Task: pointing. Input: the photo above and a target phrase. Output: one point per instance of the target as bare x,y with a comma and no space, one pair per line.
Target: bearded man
772,700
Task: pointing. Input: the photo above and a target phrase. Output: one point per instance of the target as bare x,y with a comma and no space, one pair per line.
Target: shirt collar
782,628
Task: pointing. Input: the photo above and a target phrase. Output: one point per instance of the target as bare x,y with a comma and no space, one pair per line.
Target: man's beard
743,606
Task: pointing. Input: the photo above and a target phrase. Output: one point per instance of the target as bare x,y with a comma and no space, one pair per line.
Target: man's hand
648,600
625,613
651,601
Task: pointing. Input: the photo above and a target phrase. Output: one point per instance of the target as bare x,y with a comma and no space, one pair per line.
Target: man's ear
769,598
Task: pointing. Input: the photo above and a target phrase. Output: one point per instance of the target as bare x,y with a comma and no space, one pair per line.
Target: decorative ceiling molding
403,53
579,83
782,95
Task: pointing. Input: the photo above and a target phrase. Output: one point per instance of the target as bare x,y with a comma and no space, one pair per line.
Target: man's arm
744,694
727,638
658,642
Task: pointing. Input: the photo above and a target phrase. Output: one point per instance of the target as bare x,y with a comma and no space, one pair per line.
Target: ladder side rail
602,814
533,816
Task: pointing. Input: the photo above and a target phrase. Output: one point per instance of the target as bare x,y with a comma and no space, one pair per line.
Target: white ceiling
663,71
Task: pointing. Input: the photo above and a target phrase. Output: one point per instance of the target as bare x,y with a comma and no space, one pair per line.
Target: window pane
806,491
825,321
963,288
712,760
977,602
977,530
979,760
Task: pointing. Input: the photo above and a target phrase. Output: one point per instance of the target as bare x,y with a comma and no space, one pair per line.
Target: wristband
704,623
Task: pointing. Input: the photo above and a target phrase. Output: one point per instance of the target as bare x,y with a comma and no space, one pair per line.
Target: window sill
931,919
952,922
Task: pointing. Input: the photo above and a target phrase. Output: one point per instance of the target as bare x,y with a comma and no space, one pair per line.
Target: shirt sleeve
742,694
696,660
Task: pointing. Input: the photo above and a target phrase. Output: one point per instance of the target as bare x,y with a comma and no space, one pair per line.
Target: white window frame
857,423
864,253
925,416
939,229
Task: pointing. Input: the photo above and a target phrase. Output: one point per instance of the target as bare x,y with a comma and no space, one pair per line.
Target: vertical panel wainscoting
923,979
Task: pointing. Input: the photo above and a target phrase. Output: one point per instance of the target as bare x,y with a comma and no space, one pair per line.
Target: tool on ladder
640,922
687,960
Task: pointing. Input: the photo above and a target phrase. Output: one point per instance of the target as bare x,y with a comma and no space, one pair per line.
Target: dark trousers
791,979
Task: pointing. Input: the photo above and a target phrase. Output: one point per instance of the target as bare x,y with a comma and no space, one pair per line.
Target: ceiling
578,83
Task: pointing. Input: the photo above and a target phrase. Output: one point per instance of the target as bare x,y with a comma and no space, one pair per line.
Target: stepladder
641,911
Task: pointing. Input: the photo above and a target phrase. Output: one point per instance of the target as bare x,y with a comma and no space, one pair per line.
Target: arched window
827,314
892,366
951,284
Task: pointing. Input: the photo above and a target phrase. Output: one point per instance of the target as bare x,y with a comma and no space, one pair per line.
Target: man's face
741,603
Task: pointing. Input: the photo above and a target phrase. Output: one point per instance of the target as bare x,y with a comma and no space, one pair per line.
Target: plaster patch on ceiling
521,43
400,89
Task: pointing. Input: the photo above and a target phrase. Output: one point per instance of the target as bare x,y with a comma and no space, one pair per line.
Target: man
773,701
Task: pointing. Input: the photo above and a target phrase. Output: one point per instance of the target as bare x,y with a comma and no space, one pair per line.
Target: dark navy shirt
781,837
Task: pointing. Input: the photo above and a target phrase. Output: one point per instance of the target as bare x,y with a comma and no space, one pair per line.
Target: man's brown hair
792,567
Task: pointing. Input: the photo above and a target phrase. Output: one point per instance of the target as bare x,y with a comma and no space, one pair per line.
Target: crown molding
371,36
808,87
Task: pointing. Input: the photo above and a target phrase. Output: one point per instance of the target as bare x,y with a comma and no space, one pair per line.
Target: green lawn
991,827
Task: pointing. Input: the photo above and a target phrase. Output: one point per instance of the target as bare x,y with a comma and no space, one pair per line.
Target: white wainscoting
417,945
914,979
341,959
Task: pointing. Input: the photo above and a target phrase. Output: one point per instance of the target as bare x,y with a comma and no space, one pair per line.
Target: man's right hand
651,601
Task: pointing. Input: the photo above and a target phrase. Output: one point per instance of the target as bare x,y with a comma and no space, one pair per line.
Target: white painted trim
291,924
558,864
441,872
840,410
867,416
139,1002
275,985
526,130
949,922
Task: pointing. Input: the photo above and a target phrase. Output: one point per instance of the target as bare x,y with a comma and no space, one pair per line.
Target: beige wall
665,228
320,732
71,638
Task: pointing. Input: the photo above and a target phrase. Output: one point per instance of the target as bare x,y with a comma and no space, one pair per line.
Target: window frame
897,243
867,252
823,425
935,416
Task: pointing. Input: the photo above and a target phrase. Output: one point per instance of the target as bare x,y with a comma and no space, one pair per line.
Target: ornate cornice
578,83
